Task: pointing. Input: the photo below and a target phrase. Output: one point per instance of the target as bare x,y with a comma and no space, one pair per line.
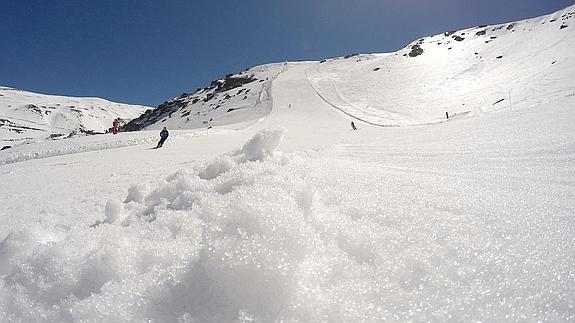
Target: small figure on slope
353,126
115,126
163,136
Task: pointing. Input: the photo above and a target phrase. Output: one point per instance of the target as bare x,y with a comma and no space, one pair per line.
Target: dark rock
350,55
215,84
6,147
416,50
376,69
499,57
449,33
481,33
180,103
458,38
234,82
35,109
209,97
89,132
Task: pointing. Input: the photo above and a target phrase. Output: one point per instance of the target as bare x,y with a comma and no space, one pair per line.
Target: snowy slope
471,72
464,73
238,98
26,116
466,220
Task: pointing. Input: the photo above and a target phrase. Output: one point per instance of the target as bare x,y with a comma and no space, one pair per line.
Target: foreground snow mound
257,235
262,145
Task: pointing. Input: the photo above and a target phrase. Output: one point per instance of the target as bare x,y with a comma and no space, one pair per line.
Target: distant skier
163,136
353,126
115,126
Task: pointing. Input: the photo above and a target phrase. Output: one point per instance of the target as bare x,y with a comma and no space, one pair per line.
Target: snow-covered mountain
461,73
468,72
235,99
26,116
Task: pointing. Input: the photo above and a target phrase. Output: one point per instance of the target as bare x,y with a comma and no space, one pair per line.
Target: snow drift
258,235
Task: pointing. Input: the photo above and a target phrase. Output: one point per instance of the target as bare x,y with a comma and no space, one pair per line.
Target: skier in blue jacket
163,136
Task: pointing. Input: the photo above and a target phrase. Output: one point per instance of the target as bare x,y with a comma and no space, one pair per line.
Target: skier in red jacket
115,126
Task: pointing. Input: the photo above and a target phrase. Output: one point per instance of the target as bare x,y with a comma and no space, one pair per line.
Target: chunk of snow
263,144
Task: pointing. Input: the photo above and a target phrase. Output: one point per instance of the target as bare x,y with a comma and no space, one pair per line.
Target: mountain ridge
464,63
27,116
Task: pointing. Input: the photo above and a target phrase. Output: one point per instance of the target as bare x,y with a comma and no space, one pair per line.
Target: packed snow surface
296,217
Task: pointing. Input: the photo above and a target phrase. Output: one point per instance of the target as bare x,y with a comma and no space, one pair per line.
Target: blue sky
143,51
